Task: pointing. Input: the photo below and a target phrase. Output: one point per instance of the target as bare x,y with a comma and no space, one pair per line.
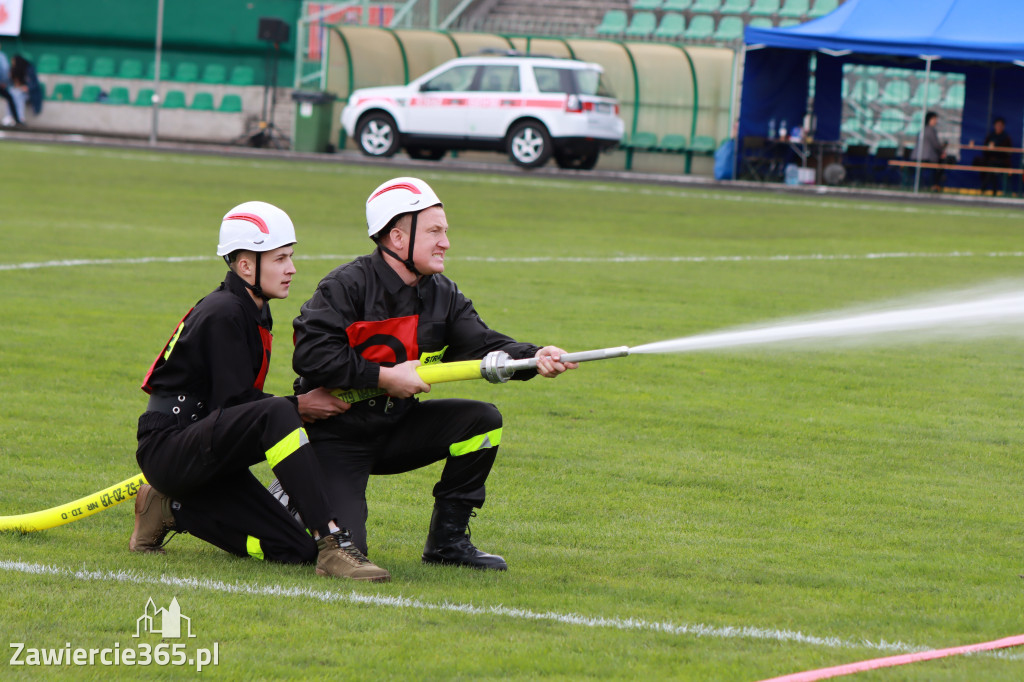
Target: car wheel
426,154
377,135
529,144
584,161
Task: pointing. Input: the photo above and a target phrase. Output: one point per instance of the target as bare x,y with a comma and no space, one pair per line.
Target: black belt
381,403
181,405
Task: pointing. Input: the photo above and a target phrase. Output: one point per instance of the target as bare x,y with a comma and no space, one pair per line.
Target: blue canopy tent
981,39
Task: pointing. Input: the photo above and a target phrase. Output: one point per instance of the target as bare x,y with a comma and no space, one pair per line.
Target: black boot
448,542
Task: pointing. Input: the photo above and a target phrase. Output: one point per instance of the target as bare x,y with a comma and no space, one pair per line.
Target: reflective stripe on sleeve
252,546
286,446
490,439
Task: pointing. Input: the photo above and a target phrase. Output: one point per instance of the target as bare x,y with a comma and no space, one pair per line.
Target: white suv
533,108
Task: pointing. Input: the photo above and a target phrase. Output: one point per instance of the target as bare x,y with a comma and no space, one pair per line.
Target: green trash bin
313,113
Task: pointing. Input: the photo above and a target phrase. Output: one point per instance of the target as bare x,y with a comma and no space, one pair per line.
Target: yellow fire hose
73,511
496,367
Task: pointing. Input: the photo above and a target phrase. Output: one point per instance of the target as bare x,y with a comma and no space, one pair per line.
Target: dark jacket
220,351
363,316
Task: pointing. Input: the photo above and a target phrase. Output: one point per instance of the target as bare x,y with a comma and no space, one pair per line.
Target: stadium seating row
897,92
673,26
106,67
173,99
794,9
670,144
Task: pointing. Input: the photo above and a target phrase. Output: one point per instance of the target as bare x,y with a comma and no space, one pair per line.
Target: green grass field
708,516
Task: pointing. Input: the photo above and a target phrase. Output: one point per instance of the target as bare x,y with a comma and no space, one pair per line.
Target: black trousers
365,441
204,467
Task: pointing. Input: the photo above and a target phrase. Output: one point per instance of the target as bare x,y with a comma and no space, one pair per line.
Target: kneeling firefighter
208,420
367,326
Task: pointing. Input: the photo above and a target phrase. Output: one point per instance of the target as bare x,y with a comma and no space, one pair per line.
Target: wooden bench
907,165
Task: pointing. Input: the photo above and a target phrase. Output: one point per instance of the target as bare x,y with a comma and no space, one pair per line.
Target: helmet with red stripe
397,197
255,226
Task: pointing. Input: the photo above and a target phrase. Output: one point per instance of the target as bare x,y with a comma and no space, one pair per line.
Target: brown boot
153,519
341,559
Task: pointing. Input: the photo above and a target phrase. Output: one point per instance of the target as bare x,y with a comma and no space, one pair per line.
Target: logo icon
164,622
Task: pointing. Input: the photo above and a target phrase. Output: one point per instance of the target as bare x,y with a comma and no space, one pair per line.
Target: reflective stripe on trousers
490,439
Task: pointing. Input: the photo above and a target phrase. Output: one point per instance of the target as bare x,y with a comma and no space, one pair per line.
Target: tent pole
158,53
737,58
924,112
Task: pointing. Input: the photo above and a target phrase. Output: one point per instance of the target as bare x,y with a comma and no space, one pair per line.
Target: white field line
549,259
546,183
353,597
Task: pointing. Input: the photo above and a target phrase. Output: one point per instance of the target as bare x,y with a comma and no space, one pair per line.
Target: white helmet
255,226
395,197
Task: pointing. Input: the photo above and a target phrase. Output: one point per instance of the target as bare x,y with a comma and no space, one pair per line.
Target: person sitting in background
931,150
26,80
992,182
7,91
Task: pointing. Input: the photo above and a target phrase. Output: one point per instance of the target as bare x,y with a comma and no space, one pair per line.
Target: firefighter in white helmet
368,325
208,420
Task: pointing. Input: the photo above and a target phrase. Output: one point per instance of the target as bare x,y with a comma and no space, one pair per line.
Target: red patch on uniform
267,340
391,341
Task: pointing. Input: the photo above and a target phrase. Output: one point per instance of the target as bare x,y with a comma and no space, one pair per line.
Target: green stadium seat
118,95
760,22
214,74
705,6
646,4
796,9
643,141
165,70
865,90
230,104
701,27
48,63
174,99
897,91
954,96
735,7
76,65
187,72
673,143
789,22
891,121
102,67
934,95
676,5
90,93
130,68
144,98
703,144
642,25
612,24
242,75
914,122
671,27
729,29
64,92
765,8
203,101
823,7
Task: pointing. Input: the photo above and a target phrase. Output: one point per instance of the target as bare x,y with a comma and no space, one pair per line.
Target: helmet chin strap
256,288
407,261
